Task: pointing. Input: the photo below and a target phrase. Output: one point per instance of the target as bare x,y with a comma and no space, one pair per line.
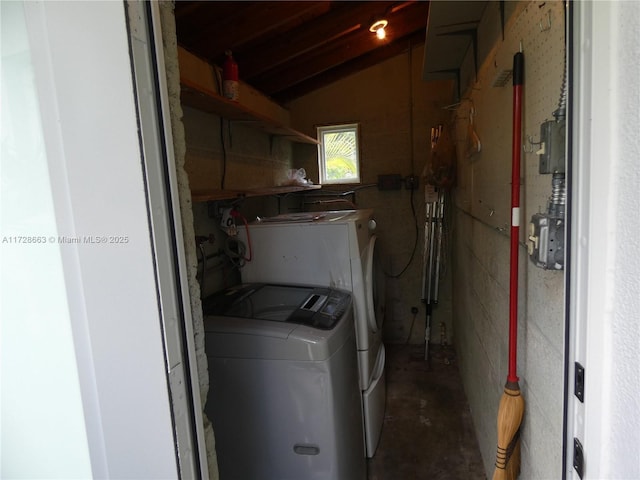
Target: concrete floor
428,432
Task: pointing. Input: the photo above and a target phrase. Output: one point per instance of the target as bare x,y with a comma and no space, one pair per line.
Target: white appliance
283,397
335,249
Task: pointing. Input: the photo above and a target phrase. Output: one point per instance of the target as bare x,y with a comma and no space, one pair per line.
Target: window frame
333,128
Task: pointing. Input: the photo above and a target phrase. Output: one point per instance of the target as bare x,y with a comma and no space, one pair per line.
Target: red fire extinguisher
230,77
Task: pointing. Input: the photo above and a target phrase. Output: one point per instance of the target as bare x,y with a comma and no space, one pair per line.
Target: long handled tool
511,407
428,258
429,226
425,251
439,244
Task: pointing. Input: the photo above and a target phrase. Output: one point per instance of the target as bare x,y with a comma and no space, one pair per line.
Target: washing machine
335,249
283,396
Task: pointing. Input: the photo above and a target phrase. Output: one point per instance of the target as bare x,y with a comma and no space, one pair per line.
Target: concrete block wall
396,111
170,48
481,241
253,159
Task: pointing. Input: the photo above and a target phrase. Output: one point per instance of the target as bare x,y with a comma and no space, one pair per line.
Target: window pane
340,154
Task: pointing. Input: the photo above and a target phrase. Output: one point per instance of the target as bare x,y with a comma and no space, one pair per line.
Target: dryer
335,249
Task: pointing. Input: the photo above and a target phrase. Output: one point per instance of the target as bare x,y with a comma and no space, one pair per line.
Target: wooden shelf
208,195
202,98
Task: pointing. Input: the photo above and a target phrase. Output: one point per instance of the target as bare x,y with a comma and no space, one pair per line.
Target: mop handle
425,251
427,288
518,79
432,236
439,246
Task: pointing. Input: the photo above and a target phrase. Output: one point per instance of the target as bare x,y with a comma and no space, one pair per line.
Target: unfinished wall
224,155
245,157
395,110
173,87
481,241
214,154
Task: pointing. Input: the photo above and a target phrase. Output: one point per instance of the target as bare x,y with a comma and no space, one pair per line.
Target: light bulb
378,28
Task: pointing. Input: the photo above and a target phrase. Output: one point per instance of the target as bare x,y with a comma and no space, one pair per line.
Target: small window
338,154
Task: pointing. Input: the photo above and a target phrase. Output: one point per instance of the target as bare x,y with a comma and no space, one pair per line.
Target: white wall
85,373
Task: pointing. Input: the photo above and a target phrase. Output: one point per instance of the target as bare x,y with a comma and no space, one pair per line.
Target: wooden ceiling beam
184,10
406,22
249,23
344,18
400,6
195,18
365,61
289,48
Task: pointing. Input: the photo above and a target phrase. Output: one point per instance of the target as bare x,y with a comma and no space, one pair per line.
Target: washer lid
316,217
276,322
292,218
316,307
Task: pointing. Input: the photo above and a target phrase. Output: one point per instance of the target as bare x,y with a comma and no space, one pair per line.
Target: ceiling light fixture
378,28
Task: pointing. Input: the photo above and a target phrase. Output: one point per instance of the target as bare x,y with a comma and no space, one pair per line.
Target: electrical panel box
546,230
546,241
552,138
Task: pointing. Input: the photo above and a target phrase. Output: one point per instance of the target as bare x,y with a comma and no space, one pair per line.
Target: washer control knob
372,225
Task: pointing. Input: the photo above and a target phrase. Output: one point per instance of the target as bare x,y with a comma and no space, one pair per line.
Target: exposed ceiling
287,49
451,31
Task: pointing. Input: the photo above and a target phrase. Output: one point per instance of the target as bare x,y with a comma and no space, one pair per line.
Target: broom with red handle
511,407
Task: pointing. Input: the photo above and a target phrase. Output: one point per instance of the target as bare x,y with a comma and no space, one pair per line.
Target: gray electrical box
552,137
545,240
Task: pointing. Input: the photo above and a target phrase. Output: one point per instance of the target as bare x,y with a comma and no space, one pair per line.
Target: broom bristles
510,413
513,465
